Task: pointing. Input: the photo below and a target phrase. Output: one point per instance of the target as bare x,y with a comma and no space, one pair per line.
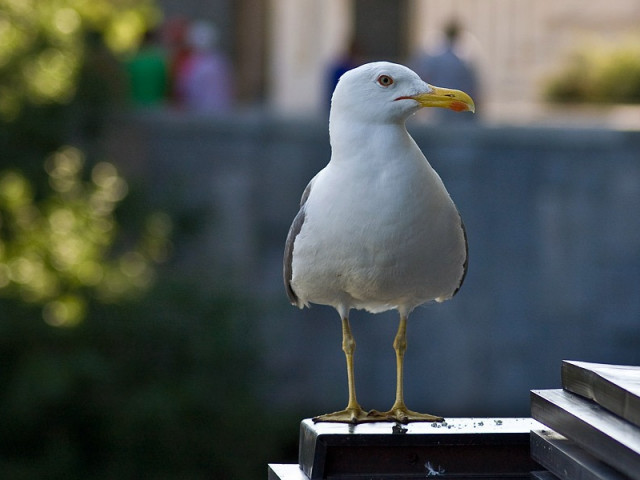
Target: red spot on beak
459,107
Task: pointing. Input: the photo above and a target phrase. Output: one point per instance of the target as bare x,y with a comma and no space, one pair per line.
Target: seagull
377,230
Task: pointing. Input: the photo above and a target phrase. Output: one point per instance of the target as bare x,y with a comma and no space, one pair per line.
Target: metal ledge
458,448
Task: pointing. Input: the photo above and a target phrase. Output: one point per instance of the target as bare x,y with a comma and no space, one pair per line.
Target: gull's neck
353,139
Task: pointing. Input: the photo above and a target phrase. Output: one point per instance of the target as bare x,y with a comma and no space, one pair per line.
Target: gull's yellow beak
449,98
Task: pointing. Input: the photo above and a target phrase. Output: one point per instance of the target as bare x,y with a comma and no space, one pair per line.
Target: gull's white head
383,92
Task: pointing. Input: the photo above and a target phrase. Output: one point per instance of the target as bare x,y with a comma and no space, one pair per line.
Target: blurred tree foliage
43,47
142,390
599,73
59,242
56,250
135,372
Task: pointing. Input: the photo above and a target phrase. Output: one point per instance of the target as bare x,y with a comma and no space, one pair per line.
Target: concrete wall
554,238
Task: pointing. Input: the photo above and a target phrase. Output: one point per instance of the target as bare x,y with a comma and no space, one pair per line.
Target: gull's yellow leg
399,411
353,413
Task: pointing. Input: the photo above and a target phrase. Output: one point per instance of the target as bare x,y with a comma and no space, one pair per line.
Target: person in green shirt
148,76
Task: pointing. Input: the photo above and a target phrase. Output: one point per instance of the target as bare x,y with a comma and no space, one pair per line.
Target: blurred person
204,79
102,87
147,70
174,35
447,67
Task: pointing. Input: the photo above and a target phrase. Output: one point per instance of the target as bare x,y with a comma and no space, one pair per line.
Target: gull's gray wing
465,265
294,230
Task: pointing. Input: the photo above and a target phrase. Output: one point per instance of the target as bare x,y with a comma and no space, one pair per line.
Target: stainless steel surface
604,435
567,460
543,475
457,448
614,387
283,471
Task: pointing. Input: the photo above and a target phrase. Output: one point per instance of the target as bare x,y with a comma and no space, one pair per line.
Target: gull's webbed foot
353,415
402,414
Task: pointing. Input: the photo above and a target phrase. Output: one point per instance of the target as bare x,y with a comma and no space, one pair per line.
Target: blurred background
152,157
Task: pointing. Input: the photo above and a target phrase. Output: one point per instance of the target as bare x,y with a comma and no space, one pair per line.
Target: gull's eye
385,80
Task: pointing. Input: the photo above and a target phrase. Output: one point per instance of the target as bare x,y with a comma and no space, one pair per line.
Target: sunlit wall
515,45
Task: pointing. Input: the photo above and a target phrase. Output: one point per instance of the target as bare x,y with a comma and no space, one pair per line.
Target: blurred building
553,245
281,48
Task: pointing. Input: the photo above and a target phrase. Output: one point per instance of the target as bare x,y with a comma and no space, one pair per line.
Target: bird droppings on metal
399,429
431,471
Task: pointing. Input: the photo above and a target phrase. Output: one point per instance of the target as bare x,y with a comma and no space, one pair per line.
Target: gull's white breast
379,232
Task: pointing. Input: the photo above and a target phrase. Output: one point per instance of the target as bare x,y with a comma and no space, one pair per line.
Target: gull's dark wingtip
287,270
465,265
294,230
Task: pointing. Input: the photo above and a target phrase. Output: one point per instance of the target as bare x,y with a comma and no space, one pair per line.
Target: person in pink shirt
204,82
